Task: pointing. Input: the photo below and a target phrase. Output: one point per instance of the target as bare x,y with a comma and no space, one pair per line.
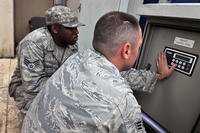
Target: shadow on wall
36,22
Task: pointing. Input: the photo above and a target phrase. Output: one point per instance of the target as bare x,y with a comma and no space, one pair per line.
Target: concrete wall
74,5
24,10
6,28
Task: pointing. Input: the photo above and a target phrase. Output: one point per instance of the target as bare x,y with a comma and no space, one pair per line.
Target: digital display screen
182,58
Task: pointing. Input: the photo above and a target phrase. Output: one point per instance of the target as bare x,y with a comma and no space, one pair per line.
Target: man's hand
163,70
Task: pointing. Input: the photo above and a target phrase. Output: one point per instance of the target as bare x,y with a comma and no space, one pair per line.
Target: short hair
114,29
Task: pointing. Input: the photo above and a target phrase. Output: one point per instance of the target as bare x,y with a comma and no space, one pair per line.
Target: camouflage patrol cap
62,15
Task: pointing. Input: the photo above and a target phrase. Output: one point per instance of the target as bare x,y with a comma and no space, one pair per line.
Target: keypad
184,61
180,64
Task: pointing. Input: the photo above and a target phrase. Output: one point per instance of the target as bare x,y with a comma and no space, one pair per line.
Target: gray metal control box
175,102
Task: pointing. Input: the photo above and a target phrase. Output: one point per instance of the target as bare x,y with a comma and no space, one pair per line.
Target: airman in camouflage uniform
88,93
41,53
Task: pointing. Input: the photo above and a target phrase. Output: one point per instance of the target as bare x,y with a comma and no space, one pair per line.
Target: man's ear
54,29
126,50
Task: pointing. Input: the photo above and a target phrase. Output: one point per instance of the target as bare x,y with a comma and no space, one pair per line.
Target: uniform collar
51,44
102,61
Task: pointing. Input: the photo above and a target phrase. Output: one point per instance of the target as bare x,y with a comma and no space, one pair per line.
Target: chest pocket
50,63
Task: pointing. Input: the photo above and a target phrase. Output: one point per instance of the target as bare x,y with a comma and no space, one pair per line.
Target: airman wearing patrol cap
41,53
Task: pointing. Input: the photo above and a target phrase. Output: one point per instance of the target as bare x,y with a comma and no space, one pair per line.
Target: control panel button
188,65
184,63
187,69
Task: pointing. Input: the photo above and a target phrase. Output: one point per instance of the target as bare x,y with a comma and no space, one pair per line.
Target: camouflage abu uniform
39,57
86,94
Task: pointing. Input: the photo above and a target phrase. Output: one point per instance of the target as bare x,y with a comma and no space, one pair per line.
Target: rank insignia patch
139,125
31,65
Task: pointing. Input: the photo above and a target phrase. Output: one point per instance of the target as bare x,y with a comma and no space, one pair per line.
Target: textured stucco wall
6,28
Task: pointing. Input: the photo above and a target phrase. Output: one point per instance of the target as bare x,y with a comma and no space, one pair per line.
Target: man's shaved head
114,29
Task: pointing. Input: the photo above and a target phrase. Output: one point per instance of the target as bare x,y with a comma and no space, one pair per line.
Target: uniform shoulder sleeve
140,80
31,66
